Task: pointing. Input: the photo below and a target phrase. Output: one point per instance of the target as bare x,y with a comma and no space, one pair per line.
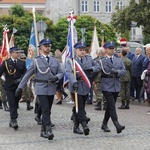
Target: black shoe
105,128
13,124
119,127
77,131
49,133
98,108
38,120
29,107
1,107
89,103
52,125
49,136
122,107
87,120
6,108
85,128
59,102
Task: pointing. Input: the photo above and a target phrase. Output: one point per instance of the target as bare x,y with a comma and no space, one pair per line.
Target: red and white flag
5,47
83,75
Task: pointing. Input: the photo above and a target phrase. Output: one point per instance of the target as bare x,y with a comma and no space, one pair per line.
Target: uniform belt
45,81
111,77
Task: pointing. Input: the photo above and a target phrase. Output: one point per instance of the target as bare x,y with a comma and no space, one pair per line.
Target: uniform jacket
137,66
128,65
88,63
12,80
43,88
112,84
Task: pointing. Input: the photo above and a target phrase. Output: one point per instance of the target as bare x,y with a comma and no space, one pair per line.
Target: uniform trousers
46,102
13,102
111,98
81,115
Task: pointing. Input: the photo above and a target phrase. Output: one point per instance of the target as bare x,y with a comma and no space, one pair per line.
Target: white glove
143,74
3,78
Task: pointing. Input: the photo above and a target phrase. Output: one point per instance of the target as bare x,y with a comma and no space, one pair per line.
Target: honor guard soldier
47,72
112,69
13,69
77,84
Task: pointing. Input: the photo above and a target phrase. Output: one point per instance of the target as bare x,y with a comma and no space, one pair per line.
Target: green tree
138,12
22,21
61,30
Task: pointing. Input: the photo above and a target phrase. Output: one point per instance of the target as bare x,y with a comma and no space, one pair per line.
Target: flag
71,40
94,44
83,75
5,46
32,49
12,41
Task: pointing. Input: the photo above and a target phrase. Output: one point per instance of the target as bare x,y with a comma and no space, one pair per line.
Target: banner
32,49
71,40
94,44
4,53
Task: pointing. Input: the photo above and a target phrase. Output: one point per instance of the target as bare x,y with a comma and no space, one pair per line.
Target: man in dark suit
13,70
137,69
130,55
112,69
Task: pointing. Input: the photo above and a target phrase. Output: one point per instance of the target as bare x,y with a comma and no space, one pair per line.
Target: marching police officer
47,71
13,69
112,69
89,66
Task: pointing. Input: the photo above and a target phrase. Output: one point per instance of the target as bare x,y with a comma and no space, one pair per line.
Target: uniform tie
111,60
47,58
81,60
15,62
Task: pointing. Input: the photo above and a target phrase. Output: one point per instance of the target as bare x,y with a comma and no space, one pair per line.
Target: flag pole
74,68
35,29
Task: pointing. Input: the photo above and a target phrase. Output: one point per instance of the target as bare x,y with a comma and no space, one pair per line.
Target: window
120,5
108,6
96,6
84,6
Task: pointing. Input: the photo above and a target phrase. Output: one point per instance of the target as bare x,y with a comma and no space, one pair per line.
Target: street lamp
41,27
83,31
132,32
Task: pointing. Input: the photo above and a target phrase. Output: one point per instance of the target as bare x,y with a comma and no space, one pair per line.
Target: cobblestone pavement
136,136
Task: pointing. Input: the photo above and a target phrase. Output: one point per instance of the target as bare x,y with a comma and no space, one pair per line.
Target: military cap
118,50
22,56
109,44
80,45
45,42
14,49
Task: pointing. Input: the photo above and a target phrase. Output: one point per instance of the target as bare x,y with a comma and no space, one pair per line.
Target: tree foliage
22,21
138,12
87,22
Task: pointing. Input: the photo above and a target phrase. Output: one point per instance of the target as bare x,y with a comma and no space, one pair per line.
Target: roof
21,1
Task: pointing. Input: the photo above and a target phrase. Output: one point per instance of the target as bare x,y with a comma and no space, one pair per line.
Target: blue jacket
130,56
137,66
